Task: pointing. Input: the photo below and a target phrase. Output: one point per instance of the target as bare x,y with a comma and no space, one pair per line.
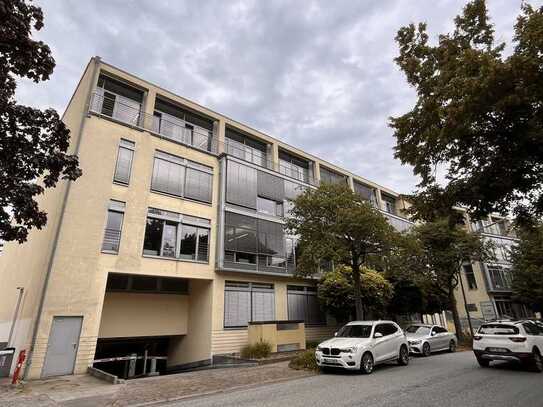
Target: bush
258,350
304,361
311,344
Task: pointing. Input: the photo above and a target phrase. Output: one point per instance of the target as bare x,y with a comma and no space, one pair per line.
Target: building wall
25,265
135,314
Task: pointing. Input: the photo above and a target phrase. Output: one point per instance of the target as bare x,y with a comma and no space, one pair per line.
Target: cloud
317,75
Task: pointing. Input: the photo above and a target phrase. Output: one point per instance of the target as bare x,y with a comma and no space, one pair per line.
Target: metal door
62,346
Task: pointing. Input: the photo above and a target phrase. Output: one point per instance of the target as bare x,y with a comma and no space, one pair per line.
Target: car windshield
498,329
422,330
354,331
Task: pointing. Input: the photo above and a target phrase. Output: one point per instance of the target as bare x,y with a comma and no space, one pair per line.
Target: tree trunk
456,316
357,293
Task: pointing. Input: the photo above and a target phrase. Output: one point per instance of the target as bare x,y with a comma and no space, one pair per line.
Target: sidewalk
83,391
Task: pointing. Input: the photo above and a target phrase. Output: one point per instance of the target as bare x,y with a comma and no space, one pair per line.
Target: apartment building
171,242
486,286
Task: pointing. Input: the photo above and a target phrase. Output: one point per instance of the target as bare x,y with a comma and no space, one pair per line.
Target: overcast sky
317,75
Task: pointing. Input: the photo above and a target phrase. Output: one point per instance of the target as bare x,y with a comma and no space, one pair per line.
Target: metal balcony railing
399,223
131,113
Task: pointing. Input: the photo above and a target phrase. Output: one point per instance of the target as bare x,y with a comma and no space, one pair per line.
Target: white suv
515,341
364,344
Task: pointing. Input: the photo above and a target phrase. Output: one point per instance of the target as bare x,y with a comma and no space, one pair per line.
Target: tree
527,271
441,250
478,114
33,143
335,224
337,294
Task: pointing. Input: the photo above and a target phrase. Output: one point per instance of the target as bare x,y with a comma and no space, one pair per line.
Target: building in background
171,242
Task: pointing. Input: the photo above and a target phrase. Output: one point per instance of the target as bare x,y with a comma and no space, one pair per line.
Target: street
440,380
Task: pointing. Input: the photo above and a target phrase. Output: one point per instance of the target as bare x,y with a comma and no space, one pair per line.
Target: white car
424,339
514,341
360,345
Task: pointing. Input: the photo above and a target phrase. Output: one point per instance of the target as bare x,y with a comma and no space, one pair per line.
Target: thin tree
335,225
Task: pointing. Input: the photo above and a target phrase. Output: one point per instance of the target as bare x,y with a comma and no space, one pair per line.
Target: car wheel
403,357
426,349
483,362
366,364
537,362
452,346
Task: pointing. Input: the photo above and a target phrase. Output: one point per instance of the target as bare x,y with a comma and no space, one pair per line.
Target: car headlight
319,349
351,349
414,342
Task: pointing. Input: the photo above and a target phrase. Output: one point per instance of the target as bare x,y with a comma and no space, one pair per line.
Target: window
303,305
269,207
241,185
176,176
247,302
248,239
470,276
531,329
331,177
169,234
500,277
246,148
293,167
389,204
471,307
125,156
116,99
114,224
380,329
366,193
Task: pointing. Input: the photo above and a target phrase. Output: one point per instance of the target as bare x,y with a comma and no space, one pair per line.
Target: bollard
20,361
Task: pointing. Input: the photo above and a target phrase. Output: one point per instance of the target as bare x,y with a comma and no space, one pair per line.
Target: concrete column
219,135
317,172
148,109
275,156
350,182
379,199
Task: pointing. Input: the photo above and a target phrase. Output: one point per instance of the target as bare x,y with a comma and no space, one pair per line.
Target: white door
384,347
62,346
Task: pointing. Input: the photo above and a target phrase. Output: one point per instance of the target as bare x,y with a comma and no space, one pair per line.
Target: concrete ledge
100,374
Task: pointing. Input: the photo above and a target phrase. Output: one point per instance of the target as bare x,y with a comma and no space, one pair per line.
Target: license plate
497,350
328,360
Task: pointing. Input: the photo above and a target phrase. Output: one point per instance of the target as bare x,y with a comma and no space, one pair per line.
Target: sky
318,75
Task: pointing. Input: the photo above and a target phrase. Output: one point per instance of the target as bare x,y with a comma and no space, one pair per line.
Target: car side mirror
378,335
433,333
335,333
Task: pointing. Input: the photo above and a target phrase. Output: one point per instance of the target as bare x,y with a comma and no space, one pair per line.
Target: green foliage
478,114
311,344
259,350
527,259
304,361
337,295
33,143
436,253
335,224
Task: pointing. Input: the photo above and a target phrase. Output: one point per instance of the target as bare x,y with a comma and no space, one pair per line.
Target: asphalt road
440,380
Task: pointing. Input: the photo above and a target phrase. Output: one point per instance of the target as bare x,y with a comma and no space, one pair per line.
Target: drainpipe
465,304
57,231
15,314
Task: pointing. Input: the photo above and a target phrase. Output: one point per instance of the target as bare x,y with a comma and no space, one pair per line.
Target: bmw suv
360,345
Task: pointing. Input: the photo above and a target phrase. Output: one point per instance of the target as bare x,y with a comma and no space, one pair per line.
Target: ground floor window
303,305
246,302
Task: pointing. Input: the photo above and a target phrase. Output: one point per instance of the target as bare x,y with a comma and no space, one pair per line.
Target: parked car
424,339
361,345
514,341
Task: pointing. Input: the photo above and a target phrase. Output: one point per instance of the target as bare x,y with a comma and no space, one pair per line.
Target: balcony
127,111
247,153
500,278
399,223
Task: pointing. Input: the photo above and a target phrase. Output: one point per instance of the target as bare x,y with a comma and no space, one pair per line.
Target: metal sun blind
331,177
237,305
198,185
296,305
168,177
112,233
241,185
125,156
203,244
263,302
270,186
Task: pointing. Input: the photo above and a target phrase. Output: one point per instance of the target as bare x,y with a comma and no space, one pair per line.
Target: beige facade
65,271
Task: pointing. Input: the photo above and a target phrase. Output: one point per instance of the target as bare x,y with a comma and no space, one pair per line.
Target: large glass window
177,176
366,193
303,305
293,166
169,234
241,183
118,100
114,225
123,166
389,204
246,148
331,177
247,302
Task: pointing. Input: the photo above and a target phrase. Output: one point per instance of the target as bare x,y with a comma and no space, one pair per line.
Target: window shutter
241,185
237,305
198,185
270,186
